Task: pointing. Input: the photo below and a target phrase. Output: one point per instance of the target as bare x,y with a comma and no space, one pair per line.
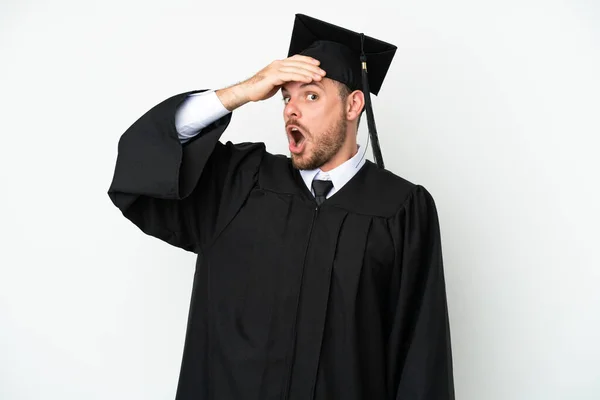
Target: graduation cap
345,56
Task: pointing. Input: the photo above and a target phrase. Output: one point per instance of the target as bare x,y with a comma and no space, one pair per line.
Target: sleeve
181,193
196,112
420,363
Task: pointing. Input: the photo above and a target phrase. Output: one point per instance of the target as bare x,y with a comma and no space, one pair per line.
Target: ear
354,105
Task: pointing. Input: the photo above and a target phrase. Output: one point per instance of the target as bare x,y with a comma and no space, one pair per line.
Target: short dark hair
344,92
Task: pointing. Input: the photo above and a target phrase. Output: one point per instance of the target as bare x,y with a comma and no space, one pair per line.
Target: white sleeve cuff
197,112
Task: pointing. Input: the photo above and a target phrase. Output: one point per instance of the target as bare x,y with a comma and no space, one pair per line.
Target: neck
348,151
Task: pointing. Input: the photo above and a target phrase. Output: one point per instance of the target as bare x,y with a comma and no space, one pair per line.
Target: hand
268,80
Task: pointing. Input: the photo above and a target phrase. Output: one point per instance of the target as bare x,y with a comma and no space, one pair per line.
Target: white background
493,106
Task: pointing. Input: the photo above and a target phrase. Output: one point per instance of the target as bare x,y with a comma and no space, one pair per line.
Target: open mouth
296,138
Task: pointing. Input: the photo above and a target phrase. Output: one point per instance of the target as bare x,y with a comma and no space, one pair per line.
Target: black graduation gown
290,300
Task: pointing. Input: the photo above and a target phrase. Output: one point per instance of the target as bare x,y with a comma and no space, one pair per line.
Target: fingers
293,69
300,68
293,77
305,59
302,71
313,69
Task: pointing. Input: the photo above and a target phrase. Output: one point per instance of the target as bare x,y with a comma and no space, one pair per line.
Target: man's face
315,122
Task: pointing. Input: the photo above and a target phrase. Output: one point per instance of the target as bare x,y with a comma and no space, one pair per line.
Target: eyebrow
302,86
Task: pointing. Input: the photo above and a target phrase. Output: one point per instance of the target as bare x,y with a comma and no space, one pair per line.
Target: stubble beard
324,146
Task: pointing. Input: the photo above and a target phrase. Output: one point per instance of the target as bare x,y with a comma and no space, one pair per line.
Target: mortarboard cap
354,59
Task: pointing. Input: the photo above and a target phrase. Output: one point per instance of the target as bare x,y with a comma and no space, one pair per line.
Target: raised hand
266,82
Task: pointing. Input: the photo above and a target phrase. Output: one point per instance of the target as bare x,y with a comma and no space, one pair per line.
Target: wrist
233,97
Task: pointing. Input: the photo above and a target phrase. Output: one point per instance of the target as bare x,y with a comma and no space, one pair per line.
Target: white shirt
202,109
339,176
197,112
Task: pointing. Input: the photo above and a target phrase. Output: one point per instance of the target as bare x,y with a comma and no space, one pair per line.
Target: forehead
325,85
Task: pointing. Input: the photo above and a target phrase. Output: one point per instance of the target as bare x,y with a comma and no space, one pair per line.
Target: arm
201,109
179,193
183,192
420,364
198,111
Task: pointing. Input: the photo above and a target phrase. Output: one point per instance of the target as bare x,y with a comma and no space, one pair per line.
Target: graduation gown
291,300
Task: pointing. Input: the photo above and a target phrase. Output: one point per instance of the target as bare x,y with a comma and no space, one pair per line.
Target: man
319,276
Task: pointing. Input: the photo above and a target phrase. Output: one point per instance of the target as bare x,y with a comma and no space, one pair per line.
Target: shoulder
241,154
274,171
387,193
395,187
277,174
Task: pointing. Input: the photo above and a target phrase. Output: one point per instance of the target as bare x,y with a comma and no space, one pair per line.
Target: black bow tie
321,188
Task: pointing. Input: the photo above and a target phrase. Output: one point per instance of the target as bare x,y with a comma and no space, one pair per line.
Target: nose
291,110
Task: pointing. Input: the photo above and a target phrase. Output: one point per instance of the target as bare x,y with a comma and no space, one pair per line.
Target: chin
297,161
306,162
301,161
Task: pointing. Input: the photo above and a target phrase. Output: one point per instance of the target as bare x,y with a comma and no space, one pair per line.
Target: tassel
370,117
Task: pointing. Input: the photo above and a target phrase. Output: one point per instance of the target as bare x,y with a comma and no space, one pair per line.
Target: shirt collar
339,176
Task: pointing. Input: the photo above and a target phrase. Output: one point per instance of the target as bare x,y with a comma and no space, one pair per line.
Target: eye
286,99
312,97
